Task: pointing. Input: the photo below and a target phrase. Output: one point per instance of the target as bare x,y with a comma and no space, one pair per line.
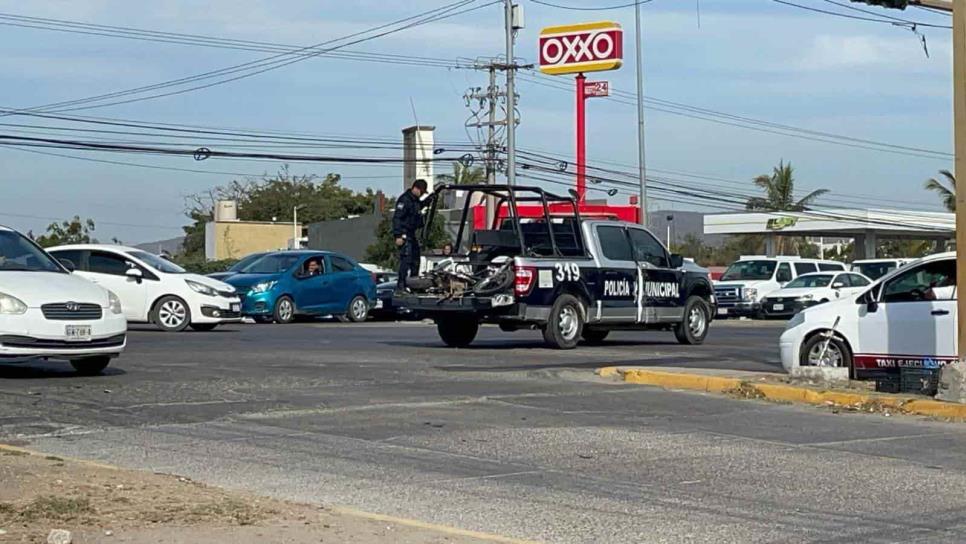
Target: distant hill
172,246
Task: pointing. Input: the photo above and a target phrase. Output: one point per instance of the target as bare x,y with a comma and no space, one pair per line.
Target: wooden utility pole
959,108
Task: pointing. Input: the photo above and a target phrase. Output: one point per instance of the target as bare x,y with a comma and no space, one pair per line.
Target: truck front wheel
693,328
457,332
566,323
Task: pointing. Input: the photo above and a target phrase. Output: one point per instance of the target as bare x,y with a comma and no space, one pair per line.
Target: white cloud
838,52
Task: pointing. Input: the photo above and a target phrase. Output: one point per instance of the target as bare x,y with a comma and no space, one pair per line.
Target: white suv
747,282
47,313
155,290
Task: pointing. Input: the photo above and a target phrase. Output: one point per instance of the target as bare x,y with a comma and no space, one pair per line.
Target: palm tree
463,175
946,189
780,190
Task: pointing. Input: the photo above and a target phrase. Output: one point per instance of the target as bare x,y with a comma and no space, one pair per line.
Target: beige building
236,239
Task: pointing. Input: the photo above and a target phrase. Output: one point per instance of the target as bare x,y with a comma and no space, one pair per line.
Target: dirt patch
745,390
100,504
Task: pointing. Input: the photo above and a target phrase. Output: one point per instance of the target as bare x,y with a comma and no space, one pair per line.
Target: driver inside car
312,268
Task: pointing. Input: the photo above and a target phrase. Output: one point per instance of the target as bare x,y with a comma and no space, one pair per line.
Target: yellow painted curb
779,392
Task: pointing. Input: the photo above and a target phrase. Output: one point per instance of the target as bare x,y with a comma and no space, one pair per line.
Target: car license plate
236,307
78,333
778,307
722,311
378,305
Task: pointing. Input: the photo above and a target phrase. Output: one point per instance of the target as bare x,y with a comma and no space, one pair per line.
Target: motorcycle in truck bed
570,277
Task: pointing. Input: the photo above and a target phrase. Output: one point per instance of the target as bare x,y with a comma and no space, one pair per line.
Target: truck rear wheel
457,332
566,323
693,328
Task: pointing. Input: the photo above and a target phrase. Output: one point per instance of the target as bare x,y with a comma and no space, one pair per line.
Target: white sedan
47,313
811,289
154,290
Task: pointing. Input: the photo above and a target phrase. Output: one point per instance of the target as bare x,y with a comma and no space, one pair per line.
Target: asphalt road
505,437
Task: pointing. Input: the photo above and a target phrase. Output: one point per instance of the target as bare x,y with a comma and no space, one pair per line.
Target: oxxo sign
586,47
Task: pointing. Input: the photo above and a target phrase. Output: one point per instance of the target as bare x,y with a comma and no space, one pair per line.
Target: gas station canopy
865,226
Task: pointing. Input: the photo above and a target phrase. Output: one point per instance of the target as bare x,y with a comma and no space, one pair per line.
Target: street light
296,235
669,218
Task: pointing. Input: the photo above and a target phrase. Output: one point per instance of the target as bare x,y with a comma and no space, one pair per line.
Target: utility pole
511,98
639,53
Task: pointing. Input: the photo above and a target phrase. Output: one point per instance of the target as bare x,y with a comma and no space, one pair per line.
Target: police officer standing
406,221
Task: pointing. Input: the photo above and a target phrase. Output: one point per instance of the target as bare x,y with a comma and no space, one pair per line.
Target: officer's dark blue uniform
406,222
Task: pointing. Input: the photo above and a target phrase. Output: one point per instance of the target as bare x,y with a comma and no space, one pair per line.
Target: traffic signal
894,4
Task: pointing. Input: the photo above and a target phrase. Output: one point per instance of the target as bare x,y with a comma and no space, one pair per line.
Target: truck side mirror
676,261
67,263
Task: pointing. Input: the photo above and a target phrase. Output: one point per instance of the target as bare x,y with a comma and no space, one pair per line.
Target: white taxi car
906,319
154,290
48,313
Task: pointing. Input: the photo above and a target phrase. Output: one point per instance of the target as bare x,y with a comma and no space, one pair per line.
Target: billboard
584,47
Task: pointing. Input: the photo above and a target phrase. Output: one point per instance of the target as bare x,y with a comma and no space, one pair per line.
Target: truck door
662,299
617,289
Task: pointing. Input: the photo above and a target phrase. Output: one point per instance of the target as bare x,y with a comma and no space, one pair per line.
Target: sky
752,58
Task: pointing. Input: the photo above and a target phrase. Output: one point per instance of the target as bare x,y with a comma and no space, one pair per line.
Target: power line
252,68
877,19
596,8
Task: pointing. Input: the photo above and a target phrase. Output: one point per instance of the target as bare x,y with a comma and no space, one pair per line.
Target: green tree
74,231
779,188
945,187
384,252
274,198
693,247
463,175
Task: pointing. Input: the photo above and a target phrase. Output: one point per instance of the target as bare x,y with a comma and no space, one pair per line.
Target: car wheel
815,352
458,332
693,328
595,336
358,309
204,327
284,310
90,366
171,314
566,323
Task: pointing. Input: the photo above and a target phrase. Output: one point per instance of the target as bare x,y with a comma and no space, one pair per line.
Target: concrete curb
786,393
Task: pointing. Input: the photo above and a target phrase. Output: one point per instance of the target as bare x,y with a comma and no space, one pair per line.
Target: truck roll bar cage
511,195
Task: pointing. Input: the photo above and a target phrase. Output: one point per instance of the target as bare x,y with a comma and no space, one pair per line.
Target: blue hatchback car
283,284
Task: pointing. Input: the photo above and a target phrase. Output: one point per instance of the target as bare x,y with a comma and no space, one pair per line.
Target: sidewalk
102,504
781,388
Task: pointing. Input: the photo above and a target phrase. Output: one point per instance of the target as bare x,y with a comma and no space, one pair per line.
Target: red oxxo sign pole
575,49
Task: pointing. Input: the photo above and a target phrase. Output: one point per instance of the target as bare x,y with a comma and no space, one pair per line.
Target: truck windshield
750,270
810,280
875,270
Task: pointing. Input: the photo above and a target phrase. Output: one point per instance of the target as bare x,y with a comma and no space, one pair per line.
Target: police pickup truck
552,270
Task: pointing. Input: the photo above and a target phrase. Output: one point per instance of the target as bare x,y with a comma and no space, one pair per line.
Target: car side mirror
135,274
676,261
838,285
68,264
872,306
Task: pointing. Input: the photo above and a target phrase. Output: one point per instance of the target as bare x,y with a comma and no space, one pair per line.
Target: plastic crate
919,381
887,384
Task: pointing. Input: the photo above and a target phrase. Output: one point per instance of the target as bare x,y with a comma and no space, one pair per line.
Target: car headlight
10,305
750,294
201,288
795,321
805,298
114,302
263,287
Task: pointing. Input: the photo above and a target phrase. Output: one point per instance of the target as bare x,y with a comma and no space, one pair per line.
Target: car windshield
20,254
241,265
272,264
750,270
810,280
874,270
158,263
